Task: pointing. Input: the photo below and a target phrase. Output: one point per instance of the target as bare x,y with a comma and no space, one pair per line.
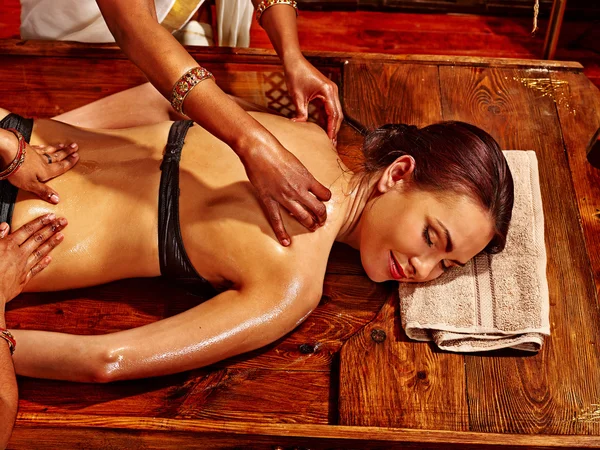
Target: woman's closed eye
429,242
427,237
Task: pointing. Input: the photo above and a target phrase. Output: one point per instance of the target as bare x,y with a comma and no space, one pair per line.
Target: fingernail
60,236
285,242
51,216
62,221
74,155
73,145
54,198
2,233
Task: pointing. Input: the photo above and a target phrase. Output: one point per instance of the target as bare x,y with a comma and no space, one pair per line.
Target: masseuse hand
42,163
24,253
305,83
281,179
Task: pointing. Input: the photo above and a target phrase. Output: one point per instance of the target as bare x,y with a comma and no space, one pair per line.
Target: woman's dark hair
450,157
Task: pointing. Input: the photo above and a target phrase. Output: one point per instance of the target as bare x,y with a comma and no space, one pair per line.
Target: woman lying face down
427,199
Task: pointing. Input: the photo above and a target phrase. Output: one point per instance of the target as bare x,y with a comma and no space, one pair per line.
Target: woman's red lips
395,268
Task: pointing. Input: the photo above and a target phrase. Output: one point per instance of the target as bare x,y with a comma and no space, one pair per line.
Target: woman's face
410,235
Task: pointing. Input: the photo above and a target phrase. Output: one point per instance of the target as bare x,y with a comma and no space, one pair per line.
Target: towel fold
495,301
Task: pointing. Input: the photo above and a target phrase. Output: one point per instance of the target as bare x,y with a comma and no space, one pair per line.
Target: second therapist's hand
42,163
305,83
281,179
25,252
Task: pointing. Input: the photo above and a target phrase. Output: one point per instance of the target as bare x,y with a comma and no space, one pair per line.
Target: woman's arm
231,323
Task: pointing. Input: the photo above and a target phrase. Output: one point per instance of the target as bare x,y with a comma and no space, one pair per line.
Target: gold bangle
266,4
185,84
19,157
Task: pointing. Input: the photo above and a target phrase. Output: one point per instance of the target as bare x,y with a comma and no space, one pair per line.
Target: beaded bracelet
266,4
185,84
8,337
19,158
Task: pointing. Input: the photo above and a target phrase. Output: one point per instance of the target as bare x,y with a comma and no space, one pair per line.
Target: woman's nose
423,267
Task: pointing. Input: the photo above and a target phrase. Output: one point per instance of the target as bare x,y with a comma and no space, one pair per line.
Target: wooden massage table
348,376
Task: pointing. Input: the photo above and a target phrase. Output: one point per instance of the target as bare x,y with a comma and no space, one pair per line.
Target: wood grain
545,392
42,431
579,114
400,384
267,57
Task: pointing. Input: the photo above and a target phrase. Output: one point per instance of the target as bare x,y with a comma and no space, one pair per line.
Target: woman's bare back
111,200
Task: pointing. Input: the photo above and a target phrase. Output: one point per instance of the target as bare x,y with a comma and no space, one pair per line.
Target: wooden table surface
328,383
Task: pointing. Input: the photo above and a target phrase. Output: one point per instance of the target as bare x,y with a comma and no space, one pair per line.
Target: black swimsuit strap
174,261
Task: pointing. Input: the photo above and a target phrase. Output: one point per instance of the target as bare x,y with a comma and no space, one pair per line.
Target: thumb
301,109
45,193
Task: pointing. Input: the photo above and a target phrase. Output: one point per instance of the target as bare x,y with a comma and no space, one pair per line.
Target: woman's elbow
293,311
105,365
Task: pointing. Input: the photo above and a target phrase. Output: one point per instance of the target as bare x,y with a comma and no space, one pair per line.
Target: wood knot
421,375
306,348
325,299
494,109
378,335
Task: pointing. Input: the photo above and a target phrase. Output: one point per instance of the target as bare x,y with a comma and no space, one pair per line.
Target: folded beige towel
495,301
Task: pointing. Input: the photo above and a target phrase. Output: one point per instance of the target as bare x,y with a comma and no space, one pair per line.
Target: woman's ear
400,171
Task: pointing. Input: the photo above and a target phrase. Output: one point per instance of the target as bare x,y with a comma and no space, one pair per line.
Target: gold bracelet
266,4
185,84
19,157
9,338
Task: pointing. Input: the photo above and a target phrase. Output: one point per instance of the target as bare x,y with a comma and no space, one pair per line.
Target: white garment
234,18
81,20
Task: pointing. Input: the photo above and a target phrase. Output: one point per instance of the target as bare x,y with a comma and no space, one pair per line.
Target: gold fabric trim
180,13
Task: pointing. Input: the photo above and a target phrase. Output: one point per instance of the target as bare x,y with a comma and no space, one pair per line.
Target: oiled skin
111,199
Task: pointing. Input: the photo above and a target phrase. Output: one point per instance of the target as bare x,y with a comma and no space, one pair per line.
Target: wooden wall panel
545,392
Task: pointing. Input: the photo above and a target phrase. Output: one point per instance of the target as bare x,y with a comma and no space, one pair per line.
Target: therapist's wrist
9,146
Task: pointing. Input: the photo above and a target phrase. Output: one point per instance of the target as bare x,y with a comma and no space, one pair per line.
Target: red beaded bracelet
8,337
19,158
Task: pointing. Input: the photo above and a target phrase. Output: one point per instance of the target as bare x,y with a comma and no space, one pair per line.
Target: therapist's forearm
148,45
8,391
279,21
163,60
